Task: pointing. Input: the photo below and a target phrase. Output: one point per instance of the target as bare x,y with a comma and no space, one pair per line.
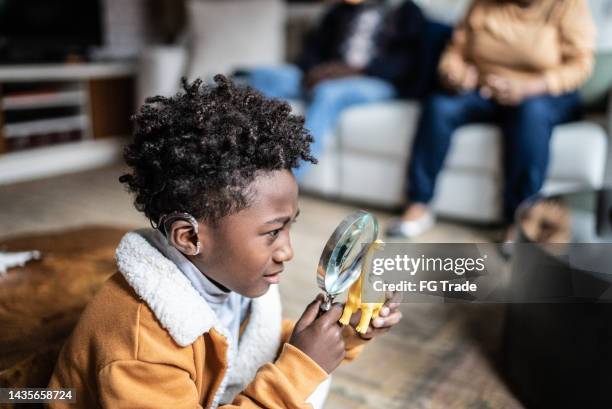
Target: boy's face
247,250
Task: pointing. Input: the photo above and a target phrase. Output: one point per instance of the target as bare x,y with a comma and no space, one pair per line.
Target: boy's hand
320,338
388,317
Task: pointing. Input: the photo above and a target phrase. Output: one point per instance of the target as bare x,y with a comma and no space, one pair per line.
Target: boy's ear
184,238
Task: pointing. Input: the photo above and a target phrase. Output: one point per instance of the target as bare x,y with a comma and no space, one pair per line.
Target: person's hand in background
511,92
461,82
328,71
320,338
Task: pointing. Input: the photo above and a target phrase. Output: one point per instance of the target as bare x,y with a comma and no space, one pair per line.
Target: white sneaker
412,228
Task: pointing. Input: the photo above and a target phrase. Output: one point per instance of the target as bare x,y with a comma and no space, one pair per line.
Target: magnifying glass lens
340,263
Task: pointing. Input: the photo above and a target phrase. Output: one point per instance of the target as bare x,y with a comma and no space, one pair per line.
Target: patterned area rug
41,302
441,356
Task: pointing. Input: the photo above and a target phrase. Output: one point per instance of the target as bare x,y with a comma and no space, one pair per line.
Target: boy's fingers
393,306
368,335
391,297
383,330
387,322
333,315
355,318
309,315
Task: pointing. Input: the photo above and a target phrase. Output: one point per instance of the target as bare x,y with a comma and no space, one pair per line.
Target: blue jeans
527,129
325,102
278,81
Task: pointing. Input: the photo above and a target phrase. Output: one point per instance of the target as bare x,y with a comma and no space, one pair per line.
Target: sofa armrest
160,69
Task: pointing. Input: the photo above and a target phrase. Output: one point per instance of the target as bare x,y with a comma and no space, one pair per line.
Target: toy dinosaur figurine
369,310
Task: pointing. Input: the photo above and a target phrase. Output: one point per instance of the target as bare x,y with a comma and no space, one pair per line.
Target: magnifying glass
342,258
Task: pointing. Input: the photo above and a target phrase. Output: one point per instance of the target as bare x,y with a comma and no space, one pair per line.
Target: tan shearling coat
148,340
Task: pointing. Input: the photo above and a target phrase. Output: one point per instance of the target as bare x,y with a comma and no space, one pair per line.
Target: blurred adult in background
516,63
360,52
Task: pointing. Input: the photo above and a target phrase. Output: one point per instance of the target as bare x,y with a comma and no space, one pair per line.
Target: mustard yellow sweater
553,38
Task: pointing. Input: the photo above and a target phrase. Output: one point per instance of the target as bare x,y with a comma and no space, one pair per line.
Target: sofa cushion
578,153
369,179
330,141
323,178
231,34
388,128
476,147
467,195
383,128
380,181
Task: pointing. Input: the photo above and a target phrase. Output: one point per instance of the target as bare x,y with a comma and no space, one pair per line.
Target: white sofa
366,158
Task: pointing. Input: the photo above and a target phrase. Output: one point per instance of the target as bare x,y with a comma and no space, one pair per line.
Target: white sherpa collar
174,302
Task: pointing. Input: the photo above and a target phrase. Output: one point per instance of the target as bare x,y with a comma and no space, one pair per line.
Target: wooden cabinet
112,104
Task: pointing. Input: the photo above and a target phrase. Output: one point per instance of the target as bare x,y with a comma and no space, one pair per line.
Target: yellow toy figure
369,310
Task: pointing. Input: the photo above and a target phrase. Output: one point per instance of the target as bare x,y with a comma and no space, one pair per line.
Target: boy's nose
283,253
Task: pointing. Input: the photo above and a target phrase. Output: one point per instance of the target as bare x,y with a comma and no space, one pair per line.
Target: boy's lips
273,278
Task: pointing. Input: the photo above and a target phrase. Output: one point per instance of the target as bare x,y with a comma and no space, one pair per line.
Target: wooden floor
440,356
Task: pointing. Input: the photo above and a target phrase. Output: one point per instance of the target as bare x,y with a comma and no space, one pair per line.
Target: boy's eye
273,233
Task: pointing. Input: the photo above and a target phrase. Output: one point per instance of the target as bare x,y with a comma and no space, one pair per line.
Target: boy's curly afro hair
199,151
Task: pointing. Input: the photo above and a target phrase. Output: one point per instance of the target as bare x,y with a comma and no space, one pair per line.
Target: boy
192,319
